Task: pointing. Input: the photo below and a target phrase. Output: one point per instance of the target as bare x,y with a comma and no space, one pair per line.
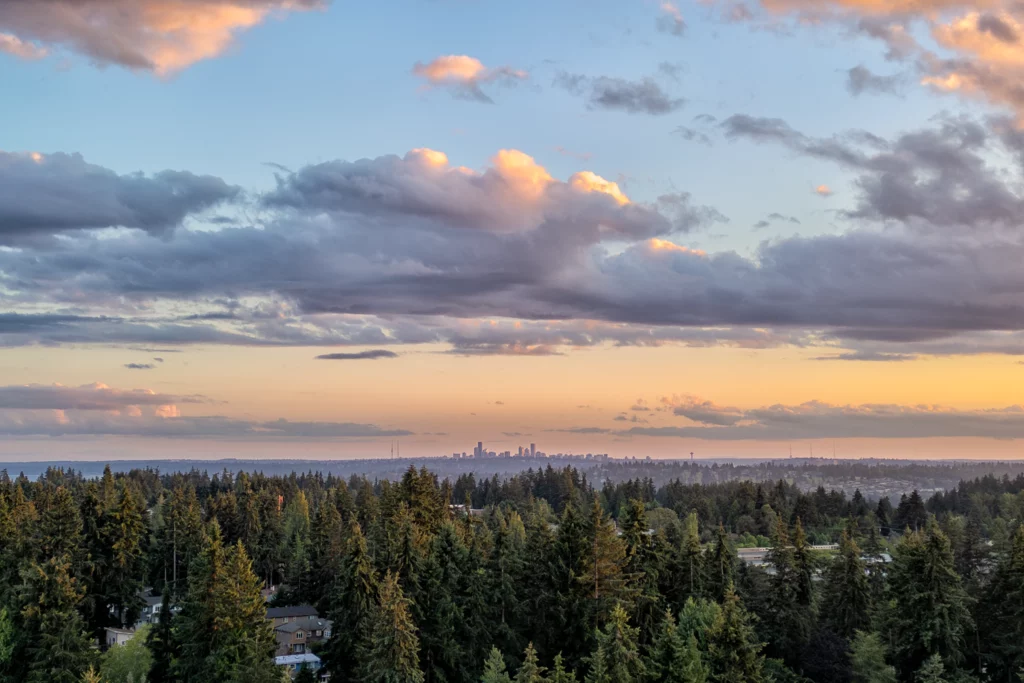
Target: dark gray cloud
860,80
693,135
373,354
48,194
818,420
18,423
84,398
139,366
998,28
876,357
410,250
938,177
644,96
781,217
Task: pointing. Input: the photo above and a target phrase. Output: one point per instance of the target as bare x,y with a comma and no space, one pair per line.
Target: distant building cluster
479,452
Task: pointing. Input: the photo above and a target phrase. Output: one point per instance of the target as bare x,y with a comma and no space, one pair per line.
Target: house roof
313,623
292,611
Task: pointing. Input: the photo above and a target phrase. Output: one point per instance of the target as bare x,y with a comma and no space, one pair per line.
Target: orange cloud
656,245
464,75
992,38
823,190
586,181
163,36
451,68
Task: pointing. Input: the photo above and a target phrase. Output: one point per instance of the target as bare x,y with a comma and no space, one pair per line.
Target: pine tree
846,601
60,650
444,634
1003,610
354,598
689,562
180,541
326,549
559,674
123,581
222,633
391,649
530,671
697,618
787,618
571,596
494,668
60,532
733,648
160,642
507,567
602,568
720,566
644,565
928,610
932,671
867,656
673,658
617,658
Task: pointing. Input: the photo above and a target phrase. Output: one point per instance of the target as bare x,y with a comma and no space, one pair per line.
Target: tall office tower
533,450
520,451
479,451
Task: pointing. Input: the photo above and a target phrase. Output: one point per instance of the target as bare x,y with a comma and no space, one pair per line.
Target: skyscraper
533,450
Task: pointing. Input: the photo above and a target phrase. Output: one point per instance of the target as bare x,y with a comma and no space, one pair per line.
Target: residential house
284,615
118,636
298,635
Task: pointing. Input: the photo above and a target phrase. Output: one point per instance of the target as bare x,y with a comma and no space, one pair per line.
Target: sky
316,228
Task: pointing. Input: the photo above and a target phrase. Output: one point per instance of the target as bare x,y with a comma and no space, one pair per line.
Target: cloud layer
100,410
511,260
162,36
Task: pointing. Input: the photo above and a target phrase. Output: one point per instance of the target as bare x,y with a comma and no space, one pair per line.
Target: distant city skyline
310,228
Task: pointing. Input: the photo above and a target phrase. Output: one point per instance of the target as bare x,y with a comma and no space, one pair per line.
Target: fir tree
530,671
222,633
868,659
787,618
932,671
559,674
391,648
602,567
507,567
571,596
60,650
617,658
928,609
123,581
673,658
305,675
846,601
733,648
160,642
440,615
494,668
720,565
1003,607
689,563
354,598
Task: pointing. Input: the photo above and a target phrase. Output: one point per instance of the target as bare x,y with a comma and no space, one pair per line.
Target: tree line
542,576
